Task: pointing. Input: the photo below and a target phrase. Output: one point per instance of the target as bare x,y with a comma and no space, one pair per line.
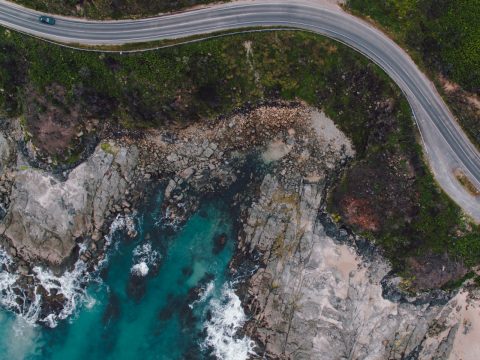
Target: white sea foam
140,269
205,294
222,329
207,291
10,292
144,258
170,219
71,285
121,222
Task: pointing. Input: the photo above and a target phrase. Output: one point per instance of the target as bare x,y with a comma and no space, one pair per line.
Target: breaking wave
8,283
223,338
70,287
121,222
25,294
43,297
204,294
144,258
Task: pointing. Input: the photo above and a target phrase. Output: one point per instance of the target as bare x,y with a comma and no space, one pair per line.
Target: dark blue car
47,20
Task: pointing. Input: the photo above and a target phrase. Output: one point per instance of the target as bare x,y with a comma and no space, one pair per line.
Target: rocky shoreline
56,222
310,288
317,291
321,292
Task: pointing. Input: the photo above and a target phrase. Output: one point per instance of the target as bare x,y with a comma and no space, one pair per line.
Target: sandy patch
341,258
248,47
449,86
467,345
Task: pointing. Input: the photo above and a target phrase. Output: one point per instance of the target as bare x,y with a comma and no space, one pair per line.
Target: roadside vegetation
443,36
390,197
66,96
110,9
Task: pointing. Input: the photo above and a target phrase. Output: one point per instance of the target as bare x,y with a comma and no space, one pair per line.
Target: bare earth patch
328,132
474,100
448,86
376,193
52,127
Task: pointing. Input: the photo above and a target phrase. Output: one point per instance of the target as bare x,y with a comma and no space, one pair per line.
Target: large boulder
47,216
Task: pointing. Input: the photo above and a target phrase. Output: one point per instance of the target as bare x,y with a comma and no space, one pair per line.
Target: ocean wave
43,297
140,269
144,258
70,287
228,317
8,283
205,293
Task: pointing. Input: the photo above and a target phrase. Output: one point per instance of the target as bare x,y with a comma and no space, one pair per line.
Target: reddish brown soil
50,134
359,212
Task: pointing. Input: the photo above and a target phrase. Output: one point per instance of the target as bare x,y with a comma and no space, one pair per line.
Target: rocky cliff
322,293
47,217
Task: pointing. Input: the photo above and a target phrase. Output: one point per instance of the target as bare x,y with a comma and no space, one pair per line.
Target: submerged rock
174,303
113,309
136,287
219,243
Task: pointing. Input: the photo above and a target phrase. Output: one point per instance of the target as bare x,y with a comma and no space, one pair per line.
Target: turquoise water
162,315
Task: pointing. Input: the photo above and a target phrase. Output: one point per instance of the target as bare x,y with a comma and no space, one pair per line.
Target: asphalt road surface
446,145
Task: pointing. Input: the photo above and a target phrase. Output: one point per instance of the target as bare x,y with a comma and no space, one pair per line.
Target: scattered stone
208,153
172,157
187,173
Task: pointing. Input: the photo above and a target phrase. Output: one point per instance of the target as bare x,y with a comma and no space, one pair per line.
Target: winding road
447,147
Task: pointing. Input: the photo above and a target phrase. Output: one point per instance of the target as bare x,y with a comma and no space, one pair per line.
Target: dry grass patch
466,183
